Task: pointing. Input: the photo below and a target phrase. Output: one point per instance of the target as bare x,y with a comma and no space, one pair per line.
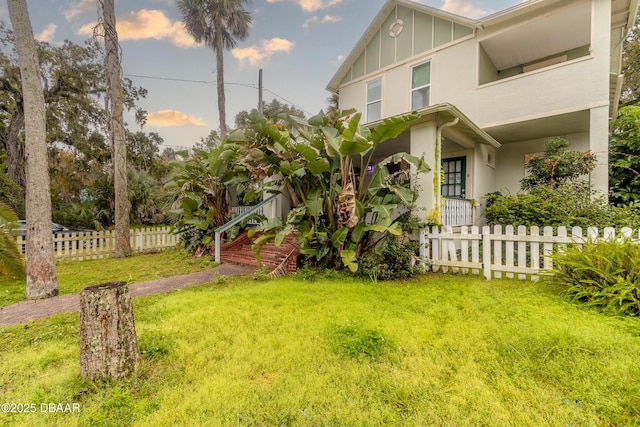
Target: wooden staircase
283,258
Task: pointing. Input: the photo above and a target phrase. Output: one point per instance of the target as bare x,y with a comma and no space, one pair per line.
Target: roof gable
401,30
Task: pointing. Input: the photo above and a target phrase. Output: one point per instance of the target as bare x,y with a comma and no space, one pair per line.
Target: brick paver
27,311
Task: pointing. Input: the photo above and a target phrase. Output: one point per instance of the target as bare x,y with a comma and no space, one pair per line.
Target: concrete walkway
27,311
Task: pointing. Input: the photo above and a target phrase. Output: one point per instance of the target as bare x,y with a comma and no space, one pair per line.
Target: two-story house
490,91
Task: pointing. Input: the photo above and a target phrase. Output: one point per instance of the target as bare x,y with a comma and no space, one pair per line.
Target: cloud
311,6
79,8
47,34
314,21
148,24
255,54
464,8
172,118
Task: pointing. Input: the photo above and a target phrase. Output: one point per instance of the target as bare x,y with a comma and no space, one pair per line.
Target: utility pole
260,109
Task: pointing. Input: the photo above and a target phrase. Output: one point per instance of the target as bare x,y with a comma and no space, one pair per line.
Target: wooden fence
101,244
497,252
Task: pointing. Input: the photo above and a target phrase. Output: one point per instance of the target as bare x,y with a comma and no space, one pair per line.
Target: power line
168,78
210,82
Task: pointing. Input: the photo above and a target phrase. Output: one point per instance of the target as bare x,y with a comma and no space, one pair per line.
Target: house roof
445,113
623,15
375,25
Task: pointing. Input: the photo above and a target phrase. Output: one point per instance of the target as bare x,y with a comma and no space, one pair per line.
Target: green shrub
605,275
392,261
569,204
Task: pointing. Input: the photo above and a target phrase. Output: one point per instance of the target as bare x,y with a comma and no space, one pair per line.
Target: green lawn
73,276
437,350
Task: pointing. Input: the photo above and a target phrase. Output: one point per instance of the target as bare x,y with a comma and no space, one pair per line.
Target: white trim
548,114
544,64
530,73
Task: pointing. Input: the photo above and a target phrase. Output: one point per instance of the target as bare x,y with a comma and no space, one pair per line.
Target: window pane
374,111
421,75
374,90
420,98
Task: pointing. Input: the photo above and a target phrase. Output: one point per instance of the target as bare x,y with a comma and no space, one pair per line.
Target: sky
299,45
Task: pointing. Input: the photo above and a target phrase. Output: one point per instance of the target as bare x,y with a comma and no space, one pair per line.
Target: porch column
423,143
599,145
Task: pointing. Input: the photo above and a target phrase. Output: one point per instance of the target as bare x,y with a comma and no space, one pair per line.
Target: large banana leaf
391,128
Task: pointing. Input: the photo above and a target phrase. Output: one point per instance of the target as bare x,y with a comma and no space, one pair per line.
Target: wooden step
271,256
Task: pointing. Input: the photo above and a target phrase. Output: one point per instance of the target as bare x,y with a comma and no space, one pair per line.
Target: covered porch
462,160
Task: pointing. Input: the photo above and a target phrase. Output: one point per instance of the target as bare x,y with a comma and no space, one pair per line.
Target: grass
74,276
437,350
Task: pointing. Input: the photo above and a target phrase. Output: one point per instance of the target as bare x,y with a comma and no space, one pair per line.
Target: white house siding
599,144
423,138
580,84
485,177
510,159
453,77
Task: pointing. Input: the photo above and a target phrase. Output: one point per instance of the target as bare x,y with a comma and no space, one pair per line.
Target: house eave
445,113
334,84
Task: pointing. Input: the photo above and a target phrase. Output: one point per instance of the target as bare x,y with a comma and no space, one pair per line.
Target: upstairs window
420,86
374,100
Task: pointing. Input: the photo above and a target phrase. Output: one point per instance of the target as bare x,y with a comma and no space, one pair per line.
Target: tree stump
108,342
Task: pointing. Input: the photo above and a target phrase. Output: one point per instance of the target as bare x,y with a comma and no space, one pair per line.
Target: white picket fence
496,252
101,244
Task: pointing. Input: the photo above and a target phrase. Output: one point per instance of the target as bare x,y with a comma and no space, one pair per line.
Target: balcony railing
457,212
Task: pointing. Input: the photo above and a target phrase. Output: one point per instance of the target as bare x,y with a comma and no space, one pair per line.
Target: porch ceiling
561,31
545,127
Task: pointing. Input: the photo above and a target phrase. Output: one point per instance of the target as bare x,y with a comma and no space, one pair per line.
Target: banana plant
336,210
200,188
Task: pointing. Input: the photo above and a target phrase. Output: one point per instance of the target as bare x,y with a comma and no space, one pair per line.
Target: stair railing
235,220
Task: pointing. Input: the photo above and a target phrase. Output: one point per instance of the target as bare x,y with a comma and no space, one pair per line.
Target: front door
454,177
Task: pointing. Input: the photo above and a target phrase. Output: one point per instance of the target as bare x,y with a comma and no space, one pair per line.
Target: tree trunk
15,149
42,281
220,80
108,342
116,131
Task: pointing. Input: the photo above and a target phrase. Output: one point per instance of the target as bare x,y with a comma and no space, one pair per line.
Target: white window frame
413,89
371,102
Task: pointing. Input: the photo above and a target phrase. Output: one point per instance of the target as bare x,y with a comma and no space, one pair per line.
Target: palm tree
219,24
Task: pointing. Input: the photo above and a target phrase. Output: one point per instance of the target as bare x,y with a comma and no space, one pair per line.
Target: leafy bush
393,260
604,275
624,157
569,204
557,165
554,195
